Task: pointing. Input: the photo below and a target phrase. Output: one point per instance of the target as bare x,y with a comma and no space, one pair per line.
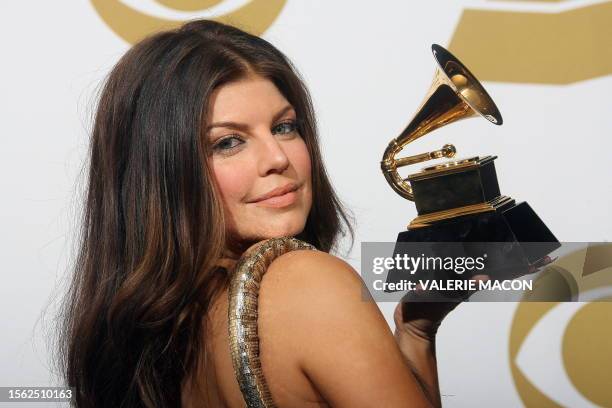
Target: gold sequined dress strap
242,315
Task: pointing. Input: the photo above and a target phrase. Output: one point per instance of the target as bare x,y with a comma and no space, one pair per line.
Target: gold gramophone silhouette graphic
460,200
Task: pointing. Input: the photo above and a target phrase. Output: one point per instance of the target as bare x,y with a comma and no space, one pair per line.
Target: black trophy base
472,185
513,237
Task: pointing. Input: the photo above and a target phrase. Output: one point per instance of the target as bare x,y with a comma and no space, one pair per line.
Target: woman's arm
416,325
419,351
323,317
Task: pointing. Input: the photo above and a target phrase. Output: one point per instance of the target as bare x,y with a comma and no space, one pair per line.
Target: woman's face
260,162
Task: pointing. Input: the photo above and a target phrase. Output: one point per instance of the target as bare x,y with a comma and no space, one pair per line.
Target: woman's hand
422,318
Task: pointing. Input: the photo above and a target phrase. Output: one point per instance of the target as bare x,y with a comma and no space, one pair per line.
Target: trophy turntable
460,200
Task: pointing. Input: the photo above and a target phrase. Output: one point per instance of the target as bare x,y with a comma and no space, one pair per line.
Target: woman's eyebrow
231,125
282,112
244,127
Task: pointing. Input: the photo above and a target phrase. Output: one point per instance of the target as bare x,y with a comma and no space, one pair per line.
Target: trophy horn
454,94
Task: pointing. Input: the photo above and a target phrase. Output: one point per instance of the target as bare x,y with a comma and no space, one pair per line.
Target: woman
204,143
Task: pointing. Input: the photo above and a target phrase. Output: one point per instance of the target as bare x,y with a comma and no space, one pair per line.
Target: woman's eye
285,128
227,143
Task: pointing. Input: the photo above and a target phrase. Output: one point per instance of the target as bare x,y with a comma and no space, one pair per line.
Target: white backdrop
368,66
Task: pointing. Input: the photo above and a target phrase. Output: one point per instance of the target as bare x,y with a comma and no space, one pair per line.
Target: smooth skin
321,342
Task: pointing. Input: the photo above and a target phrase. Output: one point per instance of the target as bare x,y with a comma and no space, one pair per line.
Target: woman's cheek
301,162
234,185
305,164
301,158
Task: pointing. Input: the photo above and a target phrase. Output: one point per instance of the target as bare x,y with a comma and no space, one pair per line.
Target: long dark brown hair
153,226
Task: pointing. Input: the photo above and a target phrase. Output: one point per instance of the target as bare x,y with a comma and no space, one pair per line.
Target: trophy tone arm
390,164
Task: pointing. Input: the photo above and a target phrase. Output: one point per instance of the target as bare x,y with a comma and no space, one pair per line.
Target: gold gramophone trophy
460,200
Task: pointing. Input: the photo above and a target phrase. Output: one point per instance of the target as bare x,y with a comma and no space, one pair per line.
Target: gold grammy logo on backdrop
132,25
558,47
560,352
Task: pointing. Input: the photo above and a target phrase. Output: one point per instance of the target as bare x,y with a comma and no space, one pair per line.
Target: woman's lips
279,201
279,197
276,192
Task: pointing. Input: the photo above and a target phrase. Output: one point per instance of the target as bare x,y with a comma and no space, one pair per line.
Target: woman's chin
277,232
282,232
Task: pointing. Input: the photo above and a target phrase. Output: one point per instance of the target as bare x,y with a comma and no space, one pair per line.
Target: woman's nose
272,157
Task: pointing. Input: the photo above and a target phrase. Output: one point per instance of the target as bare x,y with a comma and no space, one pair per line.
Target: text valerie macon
452,285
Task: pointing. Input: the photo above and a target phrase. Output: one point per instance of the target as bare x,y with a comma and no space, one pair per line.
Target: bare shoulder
311,291
315,310
310,283
311,271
